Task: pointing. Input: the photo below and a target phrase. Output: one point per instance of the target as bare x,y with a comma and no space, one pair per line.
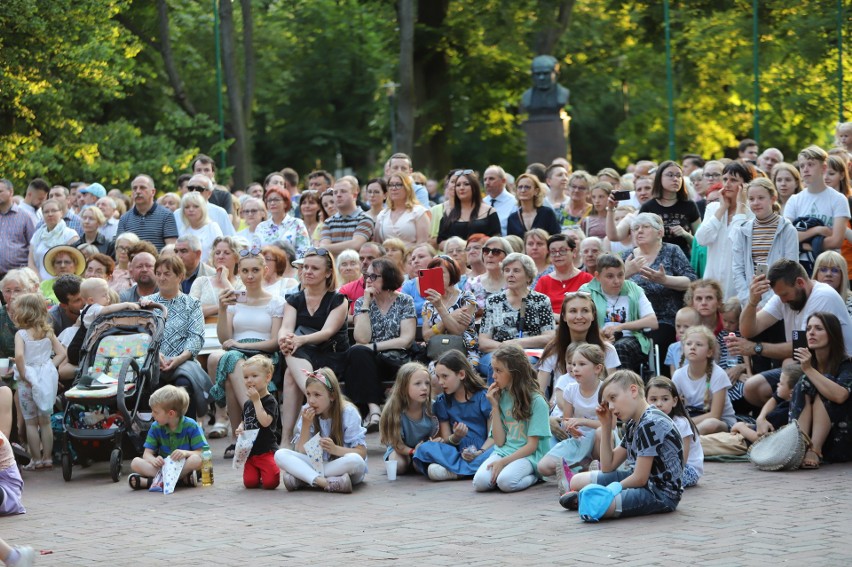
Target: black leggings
365,372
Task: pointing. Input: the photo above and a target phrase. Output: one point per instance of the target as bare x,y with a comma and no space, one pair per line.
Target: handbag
395,356
439,344
782,450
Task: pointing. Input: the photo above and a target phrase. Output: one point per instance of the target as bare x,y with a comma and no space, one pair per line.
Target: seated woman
280,225
566,276
662,270
253,212
531,212
385,326
183,336
196,221
404,218
821,400
348,267
281,275
314,331
830,268
121,279
535,246
207,289
492,281
51,234
469,214
451,313
61,260
250,319
515,315
418,259
99,266
93,220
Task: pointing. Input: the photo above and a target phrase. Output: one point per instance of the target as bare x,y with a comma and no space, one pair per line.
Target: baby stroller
119,369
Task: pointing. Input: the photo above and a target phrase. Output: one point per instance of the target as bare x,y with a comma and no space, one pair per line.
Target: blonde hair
594,354
169,398
713,347
832,259
194,198
31,314
764,183
262,362
91,285
410,198
623,379
390,426
338,402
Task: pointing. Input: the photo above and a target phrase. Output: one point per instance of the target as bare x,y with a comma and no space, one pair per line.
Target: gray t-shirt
655,435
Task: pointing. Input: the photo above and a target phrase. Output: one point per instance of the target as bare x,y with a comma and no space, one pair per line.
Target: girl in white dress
36,375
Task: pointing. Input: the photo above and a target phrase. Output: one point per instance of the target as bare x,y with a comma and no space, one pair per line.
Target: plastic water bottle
207,467
733,359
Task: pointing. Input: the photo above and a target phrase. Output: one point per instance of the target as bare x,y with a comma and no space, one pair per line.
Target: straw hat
76,254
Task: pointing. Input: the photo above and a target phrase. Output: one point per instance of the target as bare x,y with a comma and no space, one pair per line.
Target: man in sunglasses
204,165
146,219
203,185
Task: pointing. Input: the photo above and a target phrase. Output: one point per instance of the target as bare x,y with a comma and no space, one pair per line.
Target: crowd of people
501,312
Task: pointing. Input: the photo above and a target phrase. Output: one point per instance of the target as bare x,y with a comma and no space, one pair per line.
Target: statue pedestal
545,139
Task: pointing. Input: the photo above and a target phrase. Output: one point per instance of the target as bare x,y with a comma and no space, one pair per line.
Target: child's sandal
139,482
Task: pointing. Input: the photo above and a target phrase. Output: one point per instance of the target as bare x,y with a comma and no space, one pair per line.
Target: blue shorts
634,501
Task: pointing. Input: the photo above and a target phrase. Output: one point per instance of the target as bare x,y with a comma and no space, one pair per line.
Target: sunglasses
198,188
575,294
253,252
316,252
493,251
464,172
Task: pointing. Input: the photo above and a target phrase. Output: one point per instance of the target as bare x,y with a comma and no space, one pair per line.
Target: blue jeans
634,501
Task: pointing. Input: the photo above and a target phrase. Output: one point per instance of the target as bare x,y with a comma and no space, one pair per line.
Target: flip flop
229,452
218,431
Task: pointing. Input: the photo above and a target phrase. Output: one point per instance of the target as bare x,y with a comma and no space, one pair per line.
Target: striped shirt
188,437
16,231
155,226
341,228
763,234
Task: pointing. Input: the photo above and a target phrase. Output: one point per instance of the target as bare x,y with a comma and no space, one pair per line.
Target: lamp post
669,80
218,47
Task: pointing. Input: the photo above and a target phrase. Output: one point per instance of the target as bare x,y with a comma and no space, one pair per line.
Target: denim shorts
634,501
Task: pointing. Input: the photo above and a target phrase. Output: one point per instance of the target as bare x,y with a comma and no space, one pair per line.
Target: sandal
31,466
812,459
218,431
45,465
229,452
372,422
139,482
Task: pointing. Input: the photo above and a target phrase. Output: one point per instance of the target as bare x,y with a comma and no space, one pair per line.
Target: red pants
261,470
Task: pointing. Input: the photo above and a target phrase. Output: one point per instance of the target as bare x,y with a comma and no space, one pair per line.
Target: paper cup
390,467
4,366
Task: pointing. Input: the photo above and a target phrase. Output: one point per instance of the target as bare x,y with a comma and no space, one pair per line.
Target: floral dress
471,338
290,230
501,319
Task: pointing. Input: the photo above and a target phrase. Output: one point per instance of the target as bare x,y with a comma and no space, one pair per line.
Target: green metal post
220,104
840,61
756,53
669,85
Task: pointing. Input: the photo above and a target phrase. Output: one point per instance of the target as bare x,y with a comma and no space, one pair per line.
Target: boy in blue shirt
171,435
651,443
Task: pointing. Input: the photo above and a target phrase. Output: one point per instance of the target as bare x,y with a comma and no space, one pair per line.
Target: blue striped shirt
188,437
16,231
155,226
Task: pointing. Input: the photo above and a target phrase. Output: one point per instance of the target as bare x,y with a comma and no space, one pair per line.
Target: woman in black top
469,214
313,332
672,203
531,213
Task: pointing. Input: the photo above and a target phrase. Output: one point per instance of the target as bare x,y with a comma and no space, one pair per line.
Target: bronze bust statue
547,97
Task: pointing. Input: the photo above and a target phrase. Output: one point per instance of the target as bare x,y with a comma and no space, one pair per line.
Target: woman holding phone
451,312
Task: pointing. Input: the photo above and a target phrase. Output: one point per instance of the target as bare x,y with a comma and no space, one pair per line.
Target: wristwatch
758,348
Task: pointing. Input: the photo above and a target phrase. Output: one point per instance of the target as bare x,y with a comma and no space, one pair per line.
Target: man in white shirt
203,184
496,195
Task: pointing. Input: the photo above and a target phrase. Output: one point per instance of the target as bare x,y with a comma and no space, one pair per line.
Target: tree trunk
555,17
406,13
241,149
248,59
434,122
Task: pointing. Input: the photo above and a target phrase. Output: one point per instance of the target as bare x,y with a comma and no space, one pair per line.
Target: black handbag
395,356
439,344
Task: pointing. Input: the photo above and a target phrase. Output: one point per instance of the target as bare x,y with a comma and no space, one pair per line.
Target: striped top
188,437
341,228
763,234
154,226
16,231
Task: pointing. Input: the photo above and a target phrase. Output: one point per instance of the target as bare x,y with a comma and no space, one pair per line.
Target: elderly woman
473,252
418,259
517,314
281,226
396,251
93,221
376,193
253,212
385,326
652,264
404,217
469,214
348,266
531,211
183,336
829,268
16,282
53,233
280,276
566,276
314,331
206,289
61,260
492,281
535,246
193,212
99,266
121,279
453,312
171,201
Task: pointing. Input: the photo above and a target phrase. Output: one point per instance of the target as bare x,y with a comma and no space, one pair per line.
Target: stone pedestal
546,139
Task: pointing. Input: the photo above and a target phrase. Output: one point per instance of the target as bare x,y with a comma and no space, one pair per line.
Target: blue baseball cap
594,500
95,189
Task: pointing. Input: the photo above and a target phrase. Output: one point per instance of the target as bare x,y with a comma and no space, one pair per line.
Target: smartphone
800,339
621,195
241,296
761,270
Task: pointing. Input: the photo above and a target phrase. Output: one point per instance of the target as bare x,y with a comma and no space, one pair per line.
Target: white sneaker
291,483
341,484
27,558
438,473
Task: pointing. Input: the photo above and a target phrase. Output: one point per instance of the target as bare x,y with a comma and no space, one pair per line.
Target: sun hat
594,500
64,248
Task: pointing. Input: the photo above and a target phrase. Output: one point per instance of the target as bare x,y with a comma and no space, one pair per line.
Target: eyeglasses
316,252
578,187
673,175
444,257
560,252
395,185
371,277
472,248
274,201
250,211
196,188
253,252
64,263
712,176
826,270
493,251
328,193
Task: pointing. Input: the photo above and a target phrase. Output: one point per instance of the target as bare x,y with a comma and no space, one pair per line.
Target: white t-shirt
696,453
618,310
825,205
611,361
823,298
92,313
584,408
692,391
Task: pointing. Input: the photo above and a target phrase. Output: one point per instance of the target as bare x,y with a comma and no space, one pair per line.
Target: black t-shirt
339,342
267,439
489,226
682,213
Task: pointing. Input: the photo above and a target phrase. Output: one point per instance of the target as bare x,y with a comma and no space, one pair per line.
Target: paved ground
736,516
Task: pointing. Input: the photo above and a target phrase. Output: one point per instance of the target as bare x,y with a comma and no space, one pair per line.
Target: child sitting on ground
171,435
685,318
775,412
651,441
407,417
260,412
11,483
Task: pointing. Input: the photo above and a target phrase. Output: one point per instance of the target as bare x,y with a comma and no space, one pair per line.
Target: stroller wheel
66,466
115,465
